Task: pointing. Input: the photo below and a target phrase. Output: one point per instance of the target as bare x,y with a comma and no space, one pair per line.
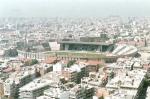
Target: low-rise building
81,92
57,92
45,68
95,79
74,73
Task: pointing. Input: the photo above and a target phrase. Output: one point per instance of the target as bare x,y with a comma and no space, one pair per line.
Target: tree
112,74
34,61
31,62
11,53
100,65
71,63
102,97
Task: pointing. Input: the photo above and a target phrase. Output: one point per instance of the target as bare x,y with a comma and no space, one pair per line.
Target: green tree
102,97
112,74
31,62
71,63
34,61
11,53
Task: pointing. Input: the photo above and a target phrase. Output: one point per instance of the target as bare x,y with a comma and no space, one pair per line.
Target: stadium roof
85,43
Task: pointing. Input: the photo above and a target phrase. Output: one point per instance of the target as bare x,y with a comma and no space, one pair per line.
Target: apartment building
81,92
34,89
17,80
129,87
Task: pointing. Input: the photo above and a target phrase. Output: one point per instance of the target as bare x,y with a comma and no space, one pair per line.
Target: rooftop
36,84
132,80
86,43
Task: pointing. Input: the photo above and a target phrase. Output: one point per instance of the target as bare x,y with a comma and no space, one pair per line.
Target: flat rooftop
132,81
35,84
85,43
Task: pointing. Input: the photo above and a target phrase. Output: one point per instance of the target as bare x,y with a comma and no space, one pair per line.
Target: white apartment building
34,89
17,80
126,85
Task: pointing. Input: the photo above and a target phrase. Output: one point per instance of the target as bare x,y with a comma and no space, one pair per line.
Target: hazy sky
80,8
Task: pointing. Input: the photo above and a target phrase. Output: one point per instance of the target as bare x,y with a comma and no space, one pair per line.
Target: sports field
78,54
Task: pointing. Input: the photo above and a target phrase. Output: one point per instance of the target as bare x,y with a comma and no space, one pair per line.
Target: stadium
77,50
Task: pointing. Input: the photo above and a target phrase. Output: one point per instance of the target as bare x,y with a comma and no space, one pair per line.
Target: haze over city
73,8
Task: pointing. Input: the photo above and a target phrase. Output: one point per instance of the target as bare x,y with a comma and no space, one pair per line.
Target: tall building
17,80
34,89
129,87
74,73
9,87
